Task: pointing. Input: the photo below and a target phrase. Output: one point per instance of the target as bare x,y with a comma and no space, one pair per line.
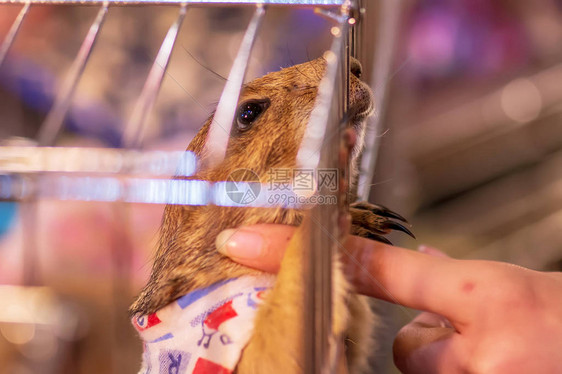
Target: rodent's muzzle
361,102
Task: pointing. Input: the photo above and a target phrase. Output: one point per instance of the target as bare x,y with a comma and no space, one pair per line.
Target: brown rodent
272,118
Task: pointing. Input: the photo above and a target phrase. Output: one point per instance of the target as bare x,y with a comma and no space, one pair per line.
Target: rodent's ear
248,113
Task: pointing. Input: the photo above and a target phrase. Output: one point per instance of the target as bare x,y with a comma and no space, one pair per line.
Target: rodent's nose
355,67
360,97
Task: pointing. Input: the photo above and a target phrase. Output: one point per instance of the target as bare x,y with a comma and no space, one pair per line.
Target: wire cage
45,329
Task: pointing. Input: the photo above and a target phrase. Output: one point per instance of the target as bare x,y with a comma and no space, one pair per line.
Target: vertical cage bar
320,149
134,131
387,33
317,128
9,40
52,126
221,125
357,32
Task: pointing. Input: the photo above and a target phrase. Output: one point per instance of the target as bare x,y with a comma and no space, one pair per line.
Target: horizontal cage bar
317,3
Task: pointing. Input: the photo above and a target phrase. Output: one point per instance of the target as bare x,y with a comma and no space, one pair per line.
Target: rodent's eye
249,112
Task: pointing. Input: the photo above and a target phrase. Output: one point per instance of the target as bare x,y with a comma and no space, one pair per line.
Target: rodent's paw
374,221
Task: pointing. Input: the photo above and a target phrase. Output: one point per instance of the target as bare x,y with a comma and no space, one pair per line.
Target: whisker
318,75
300,71
203,65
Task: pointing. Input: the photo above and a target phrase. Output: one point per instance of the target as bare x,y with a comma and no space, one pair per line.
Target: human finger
258,246
425,345
432,251
437,284
448,287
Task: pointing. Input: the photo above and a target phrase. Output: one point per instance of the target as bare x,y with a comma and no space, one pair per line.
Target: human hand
482,316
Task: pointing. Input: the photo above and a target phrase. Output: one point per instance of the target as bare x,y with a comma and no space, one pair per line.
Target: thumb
257,246
425,345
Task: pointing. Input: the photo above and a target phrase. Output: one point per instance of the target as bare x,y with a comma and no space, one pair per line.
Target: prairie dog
273,113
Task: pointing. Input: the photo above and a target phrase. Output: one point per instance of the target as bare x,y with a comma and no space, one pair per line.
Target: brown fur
187,259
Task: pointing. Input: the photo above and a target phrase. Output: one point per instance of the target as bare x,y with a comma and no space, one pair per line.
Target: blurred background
470,148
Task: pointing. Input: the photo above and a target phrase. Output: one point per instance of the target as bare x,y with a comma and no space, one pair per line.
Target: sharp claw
397,226
385,212
379,238
381,210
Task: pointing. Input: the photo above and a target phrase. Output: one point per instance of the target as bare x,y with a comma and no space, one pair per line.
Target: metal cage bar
134,131
9,40
385,40
53,124
221,125
306,3
320,149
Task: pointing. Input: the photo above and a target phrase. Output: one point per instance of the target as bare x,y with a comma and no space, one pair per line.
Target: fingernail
239,243
431,251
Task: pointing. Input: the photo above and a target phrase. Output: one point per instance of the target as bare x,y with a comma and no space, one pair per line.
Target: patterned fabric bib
204,331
